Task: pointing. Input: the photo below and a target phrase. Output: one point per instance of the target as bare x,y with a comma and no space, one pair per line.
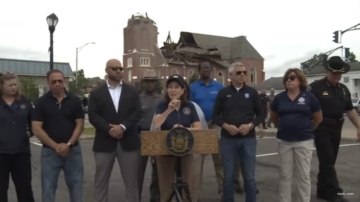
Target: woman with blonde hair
296,112
177,111
15,127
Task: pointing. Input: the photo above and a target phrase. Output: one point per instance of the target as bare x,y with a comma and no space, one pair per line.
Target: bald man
114,111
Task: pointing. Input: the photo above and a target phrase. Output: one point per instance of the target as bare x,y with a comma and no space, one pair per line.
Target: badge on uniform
301,101
186,110
23,106
325,93
309,88
247,95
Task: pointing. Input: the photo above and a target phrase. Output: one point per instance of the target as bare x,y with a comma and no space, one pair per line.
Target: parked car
356,104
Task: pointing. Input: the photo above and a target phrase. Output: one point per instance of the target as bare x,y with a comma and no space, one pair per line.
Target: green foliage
193,78
29,88
352,57
78,87
158,86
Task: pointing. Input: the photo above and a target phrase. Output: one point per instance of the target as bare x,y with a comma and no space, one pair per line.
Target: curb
273,134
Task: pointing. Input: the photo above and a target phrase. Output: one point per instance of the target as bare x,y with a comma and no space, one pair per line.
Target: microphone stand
179,186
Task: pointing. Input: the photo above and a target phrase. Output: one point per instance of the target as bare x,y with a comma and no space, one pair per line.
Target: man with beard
204,92
149,100
114,111
335,100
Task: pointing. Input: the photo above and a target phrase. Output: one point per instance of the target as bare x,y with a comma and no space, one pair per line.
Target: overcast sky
285,32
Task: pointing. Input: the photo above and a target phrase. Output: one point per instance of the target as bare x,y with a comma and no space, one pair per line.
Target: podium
179,142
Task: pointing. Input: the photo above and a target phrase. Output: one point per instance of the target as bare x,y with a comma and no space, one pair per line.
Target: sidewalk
347,133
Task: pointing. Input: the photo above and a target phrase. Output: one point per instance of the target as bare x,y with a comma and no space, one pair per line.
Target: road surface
348,170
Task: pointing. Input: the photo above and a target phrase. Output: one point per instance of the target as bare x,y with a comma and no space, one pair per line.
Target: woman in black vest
15,158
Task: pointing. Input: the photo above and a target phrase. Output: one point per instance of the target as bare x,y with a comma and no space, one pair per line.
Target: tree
79,86
352,57
29,88
193,78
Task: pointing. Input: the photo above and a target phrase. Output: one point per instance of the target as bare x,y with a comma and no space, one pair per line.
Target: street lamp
77,52
52,21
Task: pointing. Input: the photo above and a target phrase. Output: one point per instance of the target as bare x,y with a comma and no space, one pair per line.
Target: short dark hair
49,73
299,75
200,63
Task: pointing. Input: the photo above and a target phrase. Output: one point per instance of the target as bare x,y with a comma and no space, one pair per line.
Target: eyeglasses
57,81
241,72
291,78
117,68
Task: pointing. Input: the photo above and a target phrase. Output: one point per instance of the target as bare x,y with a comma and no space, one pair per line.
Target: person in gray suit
114,111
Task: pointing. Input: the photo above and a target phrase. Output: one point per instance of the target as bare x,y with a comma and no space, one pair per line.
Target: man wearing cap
330,93
149,100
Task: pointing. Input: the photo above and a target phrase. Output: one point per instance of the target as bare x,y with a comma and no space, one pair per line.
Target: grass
89,131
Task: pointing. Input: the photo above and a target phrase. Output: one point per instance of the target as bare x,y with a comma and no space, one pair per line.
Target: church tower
140,46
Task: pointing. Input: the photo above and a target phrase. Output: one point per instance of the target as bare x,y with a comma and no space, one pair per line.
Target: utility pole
316,60
338,34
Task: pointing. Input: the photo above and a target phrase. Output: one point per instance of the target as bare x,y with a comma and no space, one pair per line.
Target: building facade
36,70
351,79
141,52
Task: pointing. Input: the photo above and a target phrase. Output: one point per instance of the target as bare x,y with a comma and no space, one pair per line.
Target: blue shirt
294,122
186,115
205,96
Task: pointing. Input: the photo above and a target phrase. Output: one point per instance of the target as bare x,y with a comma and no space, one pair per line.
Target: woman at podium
177,111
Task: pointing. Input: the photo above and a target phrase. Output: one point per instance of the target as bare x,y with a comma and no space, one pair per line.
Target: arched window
191,73
253,76
145,61
220,78
174,71
129,75
129,62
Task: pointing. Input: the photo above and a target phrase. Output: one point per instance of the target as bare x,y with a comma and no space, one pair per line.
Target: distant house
36,70
350,79
273,82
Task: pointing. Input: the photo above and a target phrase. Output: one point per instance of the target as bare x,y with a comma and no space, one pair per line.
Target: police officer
265,104
149,100
330,93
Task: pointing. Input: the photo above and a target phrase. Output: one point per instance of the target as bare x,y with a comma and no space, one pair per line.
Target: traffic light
337,37
347,53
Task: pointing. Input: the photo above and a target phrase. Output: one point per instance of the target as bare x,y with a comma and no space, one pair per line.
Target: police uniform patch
325,93
247,95
23,106
309,88
179,141
186,110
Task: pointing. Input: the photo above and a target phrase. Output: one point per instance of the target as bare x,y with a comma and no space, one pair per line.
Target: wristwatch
251,125
69,144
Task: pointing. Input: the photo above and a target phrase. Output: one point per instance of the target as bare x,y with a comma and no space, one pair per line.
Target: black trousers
327,141
19,167
154,186
265,115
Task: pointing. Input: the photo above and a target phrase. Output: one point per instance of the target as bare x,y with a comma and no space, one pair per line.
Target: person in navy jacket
15,124
296,112
177,111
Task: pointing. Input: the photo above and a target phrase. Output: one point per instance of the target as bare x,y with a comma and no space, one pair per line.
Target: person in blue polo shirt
203,92
176,111
297,113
